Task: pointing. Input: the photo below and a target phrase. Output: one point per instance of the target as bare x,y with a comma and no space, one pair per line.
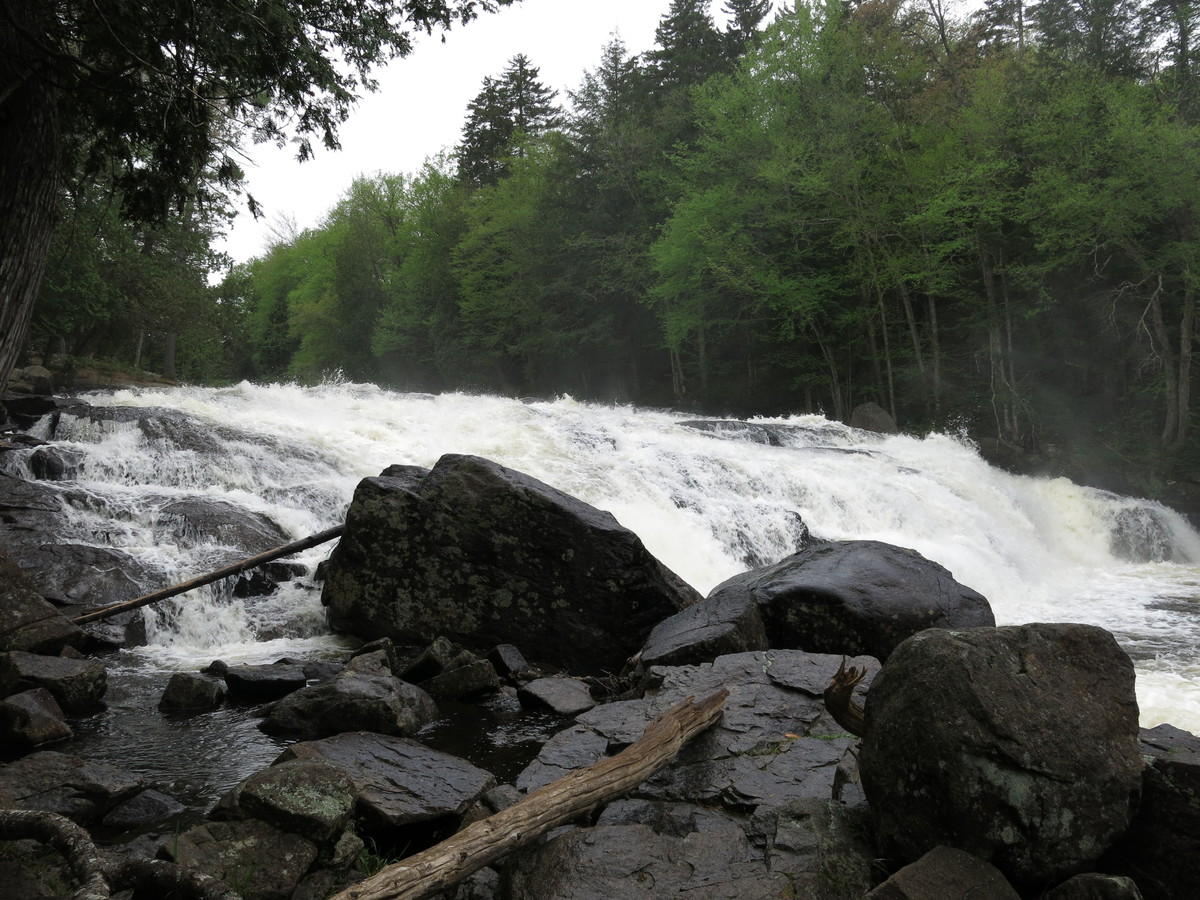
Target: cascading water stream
708,499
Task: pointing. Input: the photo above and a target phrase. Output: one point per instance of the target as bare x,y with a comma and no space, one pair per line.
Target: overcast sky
422,101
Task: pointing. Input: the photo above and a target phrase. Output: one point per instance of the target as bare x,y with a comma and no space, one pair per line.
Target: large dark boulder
1161,850
264,862
27,621
29,720
77,684
852,597
1016,744
484,555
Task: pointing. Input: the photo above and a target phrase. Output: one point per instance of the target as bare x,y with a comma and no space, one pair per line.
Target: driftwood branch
839,698
236,569
443,866
100,876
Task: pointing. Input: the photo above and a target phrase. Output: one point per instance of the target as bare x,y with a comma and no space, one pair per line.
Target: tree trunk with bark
29,173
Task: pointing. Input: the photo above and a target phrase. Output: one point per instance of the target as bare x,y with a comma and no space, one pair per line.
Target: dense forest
981,221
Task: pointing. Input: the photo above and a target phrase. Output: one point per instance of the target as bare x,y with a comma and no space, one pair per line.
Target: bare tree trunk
1187,328
1170,432
169,341
480,843
29,175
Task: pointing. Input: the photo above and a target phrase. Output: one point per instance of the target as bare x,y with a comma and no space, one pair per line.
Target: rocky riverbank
999,762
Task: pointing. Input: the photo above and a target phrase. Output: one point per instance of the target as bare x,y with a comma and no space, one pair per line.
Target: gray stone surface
1161,849
148,807
352,701
257,860
27,621
263,683
399,781
484,555
1016,744
306,797
82,790
189,691
78,685
564,696
31,719
946,874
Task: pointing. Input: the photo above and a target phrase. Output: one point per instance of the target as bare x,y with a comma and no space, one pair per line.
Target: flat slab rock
775,742
399,782
82,790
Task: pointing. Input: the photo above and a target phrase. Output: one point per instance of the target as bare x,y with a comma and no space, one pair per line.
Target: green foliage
987,221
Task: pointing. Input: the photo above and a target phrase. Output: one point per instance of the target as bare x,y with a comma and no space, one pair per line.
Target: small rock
144,809
260,683
432,661
564,696
471,680
507,660
1095,886
31,719
263,862
309,798
945,872
188,691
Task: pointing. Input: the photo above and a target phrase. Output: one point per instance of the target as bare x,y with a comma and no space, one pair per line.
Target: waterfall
710,498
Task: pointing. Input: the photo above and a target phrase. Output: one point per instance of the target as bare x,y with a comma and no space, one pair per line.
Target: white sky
422,102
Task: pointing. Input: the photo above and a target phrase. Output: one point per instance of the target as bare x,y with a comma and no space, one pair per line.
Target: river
708,500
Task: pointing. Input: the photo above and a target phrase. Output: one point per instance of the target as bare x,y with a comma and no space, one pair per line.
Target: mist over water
708,499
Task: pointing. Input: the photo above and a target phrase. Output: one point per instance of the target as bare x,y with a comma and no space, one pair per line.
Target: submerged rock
1016,744
484,555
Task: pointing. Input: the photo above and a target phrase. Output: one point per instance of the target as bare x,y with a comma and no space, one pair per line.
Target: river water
708,500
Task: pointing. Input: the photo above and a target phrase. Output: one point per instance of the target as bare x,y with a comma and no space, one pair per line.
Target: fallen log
444,865
236,569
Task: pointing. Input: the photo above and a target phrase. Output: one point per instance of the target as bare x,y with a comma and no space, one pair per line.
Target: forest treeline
982,221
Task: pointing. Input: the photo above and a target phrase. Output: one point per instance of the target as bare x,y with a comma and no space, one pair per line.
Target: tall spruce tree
745,19
514,104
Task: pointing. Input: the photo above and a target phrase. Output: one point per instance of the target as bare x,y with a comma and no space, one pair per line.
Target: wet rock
945,872
186,690
1161,849
725,622
507,660
400,782
27,621
483,554
632,861
870,416
261,683
431,661
62,570
1095,886
852,597
352,701
474,679
29,720
1036,725
146,808
52,463
82,790
309,798
774,743
564,696
77,685
856,597
821,845
256,859
195,521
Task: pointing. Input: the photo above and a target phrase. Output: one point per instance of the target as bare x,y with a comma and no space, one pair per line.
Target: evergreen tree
1106,35
745,19
514,104
688,45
